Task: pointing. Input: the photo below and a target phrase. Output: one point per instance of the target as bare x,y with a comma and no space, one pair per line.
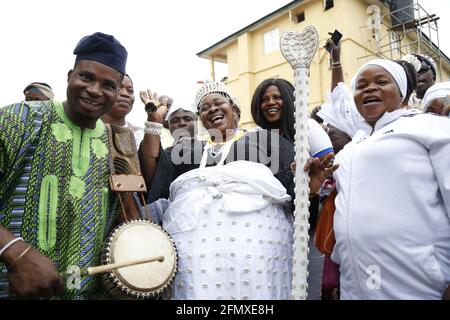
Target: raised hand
147,96
335,54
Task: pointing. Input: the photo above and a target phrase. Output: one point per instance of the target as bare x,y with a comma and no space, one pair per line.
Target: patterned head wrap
428,60
40,88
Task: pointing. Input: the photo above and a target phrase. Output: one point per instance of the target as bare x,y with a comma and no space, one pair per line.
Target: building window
328,4
394,42
271,41
299,17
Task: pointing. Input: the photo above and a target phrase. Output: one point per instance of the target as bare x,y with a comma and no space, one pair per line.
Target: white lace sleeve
340,111
138,137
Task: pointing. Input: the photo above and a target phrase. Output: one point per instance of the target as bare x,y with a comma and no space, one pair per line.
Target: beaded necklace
216,148
223,151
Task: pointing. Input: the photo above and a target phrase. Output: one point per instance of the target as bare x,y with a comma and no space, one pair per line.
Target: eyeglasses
424,69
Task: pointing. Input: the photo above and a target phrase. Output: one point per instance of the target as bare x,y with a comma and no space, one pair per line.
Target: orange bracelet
19,257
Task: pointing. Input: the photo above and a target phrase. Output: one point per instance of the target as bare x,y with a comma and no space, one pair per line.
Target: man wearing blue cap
55,203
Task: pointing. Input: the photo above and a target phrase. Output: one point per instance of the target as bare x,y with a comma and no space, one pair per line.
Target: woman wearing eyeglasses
426,77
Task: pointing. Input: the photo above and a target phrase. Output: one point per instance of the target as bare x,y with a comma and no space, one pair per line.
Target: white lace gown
233,235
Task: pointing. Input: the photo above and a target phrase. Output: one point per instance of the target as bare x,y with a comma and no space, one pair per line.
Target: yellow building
370,29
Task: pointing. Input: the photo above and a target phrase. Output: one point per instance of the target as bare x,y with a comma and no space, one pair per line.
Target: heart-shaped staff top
299,48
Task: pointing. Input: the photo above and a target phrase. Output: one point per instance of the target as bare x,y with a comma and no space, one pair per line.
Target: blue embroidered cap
102,48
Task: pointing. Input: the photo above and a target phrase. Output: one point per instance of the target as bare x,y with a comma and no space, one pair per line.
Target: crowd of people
379,159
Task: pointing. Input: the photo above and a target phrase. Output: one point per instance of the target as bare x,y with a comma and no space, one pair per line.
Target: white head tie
394,69
438,90
413,60
183,105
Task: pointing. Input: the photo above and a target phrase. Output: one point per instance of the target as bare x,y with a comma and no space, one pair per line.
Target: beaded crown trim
211,87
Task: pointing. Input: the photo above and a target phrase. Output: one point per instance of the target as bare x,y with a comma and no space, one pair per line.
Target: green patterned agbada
54,188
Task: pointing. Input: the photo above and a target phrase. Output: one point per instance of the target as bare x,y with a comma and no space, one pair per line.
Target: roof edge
226,40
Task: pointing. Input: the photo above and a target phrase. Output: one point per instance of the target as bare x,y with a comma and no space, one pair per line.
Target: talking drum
137,240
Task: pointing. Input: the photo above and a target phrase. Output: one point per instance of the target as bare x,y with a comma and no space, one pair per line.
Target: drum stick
117,265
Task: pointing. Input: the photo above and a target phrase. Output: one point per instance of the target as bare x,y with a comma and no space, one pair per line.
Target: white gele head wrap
394,69
211,87
413,60
183,105
438,90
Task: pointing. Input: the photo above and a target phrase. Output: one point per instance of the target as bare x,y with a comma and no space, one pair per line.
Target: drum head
140,239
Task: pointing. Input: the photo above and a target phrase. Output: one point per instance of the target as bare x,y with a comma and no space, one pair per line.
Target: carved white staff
299,49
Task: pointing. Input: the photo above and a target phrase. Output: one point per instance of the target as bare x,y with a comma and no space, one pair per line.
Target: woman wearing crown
226,203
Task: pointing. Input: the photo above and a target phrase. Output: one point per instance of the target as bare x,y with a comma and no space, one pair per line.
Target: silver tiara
211,87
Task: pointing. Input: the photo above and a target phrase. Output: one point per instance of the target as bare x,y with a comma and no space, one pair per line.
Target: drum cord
123,208
146,208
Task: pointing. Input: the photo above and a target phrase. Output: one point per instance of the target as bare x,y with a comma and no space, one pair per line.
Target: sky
162,39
